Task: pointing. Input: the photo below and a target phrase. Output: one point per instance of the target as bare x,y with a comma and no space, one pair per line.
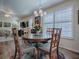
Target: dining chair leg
52,56
47,56
36,53
57,54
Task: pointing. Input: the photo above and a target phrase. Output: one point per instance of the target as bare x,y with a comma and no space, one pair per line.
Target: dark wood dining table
34,38
37,38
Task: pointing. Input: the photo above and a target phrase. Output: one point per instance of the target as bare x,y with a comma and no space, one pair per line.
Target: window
30,22
63,19
48,21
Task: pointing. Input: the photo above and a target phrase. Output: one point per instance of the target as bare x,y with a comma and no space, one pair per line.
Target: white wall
67,43
12,20
1,4
73,44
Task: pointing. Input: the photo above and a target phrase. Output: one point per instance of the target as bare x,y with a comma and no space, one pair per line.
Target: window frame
63,37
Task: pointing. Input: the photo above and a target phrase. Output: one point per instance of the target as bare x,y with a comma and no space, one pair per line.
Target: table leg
37,53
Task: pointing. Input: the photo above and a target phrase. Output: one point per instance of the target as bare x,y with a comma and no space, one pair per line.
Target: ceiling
26,7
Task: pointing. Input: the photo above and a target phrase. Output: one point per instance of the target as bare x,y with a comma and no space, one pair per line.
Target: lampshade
40,12
35,13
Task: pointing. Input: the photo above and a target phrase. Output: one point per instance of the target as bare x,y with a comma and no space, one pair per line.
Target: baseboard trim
70,50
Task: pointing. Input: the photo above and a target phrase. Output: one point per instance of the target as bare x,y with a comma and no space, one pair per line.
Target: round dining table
37,38
34,38
41,38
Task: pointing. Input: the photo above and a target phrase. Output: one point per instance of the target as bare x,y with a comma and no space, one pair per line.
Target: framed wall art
7,24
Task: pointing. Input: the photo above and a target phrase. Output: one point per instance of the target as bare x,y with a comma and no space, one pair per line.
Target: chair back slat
56,33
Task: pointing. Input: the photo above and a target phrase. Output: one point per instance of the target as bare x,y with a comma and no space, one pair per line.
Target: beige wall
71,44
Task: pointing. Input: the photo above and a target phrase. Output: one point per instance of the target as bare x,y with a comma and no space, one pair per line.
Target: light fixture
7,15
35,13
39,12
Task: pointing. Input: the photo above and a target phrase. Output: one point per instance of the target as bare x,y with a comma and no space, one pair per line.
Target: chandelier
39,12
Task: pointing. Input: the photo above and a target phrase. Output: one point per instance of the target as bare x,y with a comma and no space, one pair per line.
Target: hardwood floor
68,54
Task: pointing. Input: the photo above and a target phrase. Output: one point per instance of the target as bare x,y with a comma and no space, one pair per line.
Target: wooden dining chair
53,46
19,51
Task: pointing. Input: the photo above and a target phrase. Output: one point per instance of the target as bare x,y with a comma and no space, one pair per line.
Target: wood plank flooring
69,55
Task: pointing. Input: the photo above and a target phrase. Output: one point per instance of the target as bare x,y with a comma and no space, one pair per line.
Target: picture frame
7,24
38,20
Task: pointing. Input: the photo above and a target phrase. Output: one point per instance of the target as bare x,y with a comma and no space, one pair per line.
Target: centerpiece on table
37,28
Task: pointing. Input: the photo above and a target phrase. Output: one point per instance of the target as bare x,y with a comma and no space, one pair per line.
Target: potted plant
38,29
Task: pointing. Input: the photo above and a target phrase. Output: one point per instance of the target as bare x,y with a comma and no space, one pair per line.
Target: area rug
61,56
